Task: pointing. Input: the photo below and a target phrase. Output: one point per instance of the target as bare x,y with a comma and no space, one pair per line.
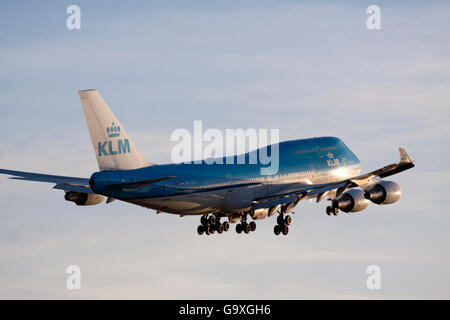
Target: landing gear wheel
207,230
247,228
226,226
204,220
219,228
277,230
288,220
335,211
252,226
285,230
239,228
280,220
329,210
200,229
212,220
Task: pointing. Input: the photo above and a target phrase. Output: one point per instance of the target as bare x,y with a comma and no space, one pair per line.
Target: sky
308,68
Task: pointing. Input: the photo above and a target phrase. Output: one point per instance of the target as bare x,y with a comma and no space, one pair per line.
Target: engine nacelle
351,201
384,192
83,199
259,214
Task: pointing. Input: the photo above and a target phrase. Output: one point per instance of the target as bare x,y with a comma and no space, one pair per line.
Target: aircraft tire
280,220
277,230
288,220
226,226
335,211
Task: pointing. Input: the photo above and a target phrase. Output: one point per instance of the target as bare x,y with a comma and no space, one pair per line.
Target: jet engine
83,199
384,192
351,201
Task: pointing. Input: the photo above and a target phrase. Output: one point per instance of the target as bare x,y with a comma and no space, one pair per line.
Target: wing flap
273,201
306,192
69,187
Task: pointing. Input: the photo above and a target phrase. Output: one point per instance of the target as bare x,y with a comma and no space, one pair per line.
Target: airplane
315,168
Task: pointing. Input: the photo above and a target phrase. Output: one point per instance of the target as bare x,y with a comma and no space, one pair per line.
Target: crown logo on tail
113,131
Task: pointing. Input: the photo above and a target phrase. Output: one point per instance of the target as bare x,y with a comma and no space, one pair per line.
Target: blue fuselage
198,188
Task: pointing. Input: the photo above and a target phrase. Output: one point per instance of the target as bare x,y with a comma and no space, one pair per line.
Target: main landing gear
244,226
282,224
209,225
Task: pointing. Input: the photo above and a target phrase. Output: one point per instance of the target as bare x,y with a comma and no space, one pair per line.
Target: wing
61,182
321,190
404,164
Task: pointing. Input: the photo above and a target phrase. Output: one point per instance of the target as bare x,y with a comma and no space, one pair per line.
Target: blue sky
308,68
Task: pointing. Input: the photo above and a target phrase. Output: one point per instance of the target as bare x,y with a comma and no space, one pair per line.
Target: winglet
404,157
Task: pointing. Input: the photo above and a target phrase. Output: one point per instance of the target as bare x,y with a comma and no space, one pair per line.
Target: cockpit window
304,151
328,148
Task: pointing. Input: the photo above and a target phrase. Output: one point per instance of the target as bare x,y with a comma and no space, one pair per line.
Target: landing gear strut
282,224
244,226
209,225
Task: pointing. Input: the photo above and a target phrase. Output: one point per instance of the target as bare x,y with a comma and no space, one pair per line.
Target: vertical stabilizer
113,147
